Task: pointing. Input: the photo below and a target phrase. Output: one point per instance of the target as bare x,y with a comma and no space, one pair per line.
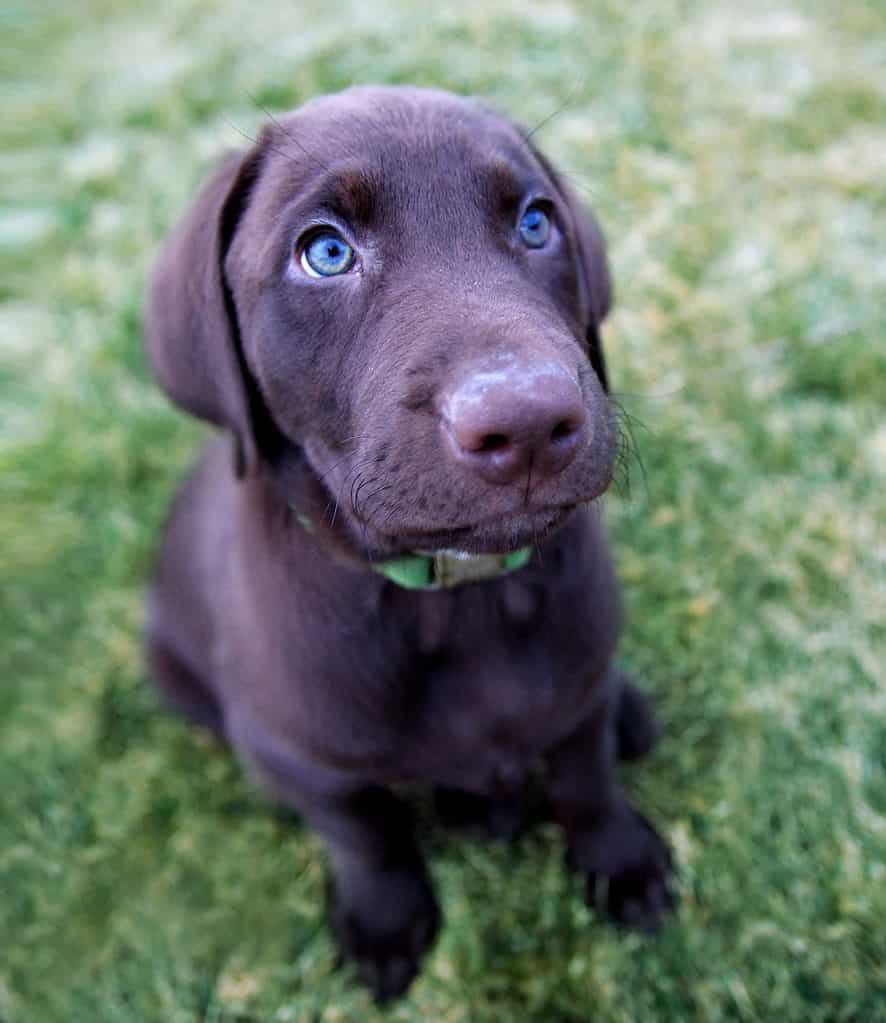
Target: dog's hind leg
636,730
626,865
181,689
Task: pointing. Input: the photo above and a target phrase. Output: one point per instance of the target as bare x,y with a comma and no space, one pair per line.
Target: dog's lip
515,531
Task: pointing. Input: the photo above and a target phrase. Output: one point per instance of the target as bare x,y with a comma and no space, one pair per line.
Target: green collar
443,569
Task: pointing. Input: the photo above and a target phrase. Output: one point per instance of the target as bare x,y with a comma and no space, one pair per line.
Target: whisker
629,417
253,140
322,475
354,469
537,545
647,397
379,490
356,487
571,97
306,152
528,482
387,517
627,445
367,548
599,198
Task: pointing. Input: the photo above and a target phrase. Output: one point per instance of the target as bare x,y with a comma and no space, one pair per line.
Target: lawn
736,156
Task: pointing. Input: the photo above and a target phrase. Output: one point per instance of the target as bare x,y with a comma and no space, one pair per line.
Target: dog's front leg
383,911
382,907
626,866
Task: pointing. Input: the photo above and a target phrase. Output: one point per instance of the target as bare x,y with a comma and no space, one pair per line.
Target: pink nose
500,422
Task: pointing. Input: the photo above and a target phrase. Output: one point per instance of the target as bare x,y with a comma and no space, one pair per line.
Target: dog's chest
497,679
467,686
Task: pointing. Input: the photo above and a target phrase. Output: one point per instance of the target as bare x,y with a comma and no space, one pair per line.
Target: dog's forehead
377,131
379,116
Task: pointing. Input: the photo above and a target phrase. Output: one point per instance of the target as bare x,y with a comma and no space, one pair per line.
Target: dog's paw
386,937
627,870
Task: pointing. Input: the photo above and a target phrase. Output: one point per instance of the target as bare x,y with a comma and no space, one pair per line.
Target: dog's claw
627,869
387,960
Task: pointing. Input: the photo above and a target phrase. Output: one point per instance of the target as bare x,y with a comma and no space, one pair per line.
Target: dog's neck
295,484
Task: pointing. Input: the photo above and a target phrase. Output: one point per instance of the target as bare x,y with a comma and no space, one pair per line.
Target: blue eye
535,227
327,255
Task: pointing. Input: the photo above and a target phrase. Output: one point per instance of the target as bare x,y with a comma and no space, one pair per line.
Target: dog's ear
190,322
595,282
593,268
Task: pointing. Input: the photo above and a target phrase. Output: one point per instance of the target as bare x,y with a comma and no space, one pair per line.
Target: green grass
736,154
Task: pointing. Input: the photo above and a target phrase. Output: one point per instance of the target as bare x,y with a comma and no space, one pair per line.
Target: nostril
565,428
493,442
479,442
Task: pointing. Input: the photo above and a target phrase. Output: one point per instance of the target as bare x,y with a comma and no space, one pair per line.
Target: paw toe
630,880
387,959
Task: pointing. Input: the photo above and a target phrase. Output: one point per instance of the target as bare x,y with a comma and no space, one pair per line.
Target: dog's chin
502,535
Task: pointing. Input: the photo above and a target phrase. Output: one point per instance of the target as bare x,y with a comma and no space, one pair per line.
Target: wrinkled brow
350,193
353,195
357,192
502,185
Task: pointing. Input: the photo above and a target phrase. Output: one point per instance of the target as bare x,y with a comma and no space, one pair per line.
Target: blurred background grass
737,160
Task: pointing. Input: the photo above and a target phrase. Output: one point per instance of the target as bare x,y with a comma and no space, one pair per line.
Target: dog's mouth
383,518
501,535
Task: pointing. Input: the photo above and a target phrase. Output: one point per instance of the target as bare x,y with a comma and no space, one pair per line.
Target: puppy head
393,283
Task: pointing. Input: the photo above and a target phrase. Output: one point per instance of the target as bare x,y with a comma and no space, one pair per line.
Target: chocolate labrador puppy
392,303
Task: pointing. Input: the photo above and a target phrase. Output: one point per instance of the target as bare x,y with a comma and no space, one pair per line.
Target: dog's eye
534,228
326,255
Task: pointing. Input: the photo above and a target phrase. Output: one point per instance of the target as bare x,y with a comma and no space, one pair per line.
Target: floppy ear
190,323
595,289
594,282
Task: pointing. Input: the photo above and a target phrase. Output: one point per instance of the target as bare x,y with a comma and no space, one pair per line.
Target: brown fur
330,682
